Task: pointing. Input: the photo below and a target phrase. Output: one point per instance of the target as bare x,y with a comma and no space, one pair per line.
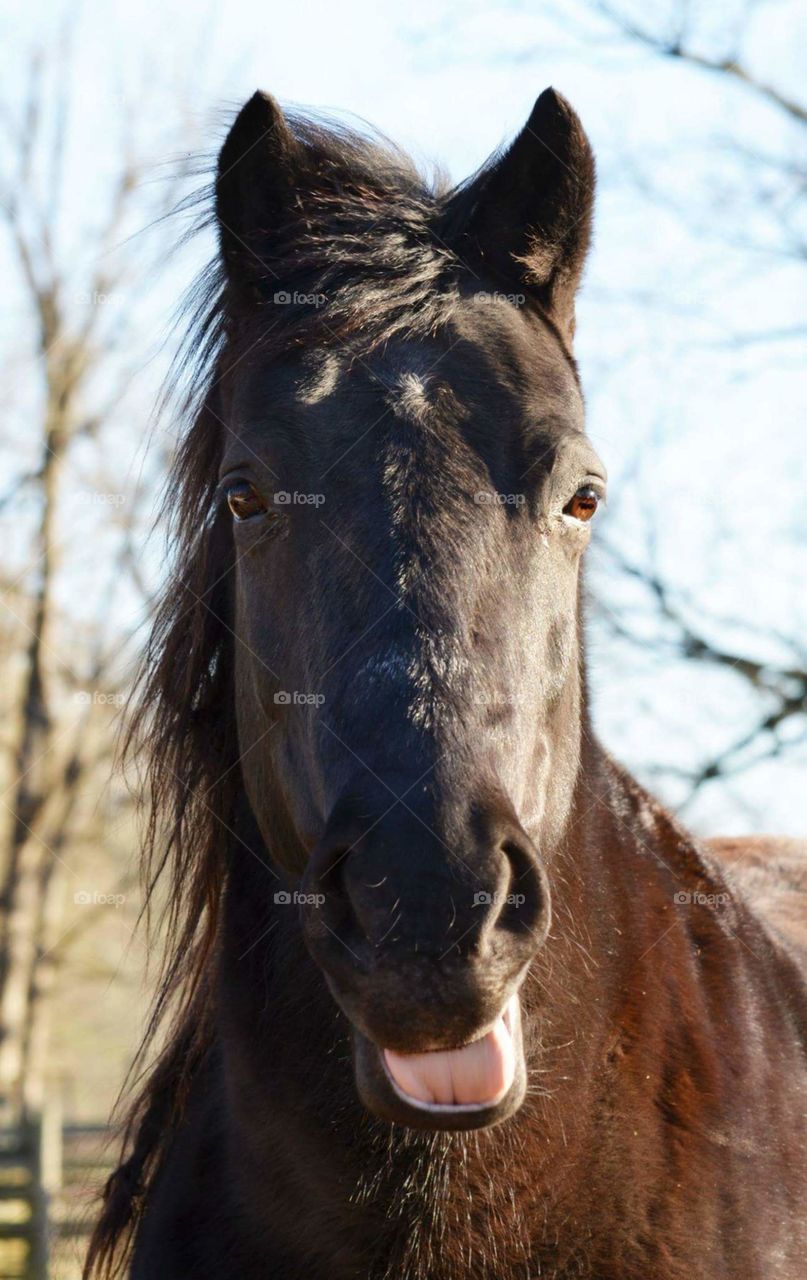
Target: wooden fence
50,1175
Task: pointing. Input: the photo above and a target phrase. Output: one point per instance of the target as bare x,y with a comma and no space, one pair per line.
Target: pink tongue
481,1072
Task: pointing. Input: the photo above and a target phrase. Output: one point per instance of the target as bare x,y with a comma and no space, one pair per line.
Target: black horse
448,996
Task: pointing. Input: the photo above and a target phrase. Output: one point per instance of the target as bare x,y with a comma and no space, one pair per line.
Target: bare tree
770,663
82,304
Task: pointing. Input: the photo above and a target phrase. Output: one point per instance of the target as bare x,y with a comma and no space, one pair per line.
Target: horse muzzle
425,954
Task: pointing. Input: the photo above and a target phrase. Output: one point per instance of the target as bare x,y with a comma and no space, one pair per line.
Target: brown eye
584,503
244,500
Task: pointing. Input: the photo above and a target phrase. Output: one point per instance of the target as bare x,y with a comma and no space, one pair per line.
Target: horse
447,994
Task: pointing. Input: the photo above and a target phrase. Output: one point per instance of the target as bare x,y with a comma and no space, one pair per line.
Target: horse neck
617,881
622,862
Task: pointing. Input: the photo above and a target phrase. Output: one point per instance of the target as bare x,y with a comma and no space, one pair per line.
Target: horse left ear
531,210
258,172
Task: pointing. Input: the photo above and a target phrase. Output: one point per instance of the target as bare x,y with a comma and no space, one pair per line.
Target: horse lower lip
477,1075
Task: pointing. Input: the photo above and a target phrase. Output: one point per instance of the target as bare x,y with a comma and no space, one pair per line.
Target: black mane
366,258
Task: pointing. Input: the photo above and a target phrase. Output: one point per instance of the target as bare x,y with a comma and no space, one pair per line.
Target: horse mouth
471,1086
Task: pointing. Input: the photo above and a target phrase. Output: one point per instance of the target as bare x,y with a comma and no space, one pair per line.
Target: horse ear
256,176
531,211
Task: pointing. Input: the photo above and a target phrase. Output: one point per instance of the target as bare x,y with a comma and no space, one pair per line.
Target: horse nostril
357,905
324,886
390,896
526,904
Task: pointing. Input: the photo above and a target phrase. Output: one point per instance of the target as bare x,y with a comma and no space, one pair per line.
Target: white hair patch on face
423,676
411,399
390,664
320,379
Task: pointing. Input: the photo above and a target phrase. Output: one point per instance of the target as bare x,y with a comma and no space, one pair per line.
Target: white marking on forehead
392,664
320,379
411,397
423,678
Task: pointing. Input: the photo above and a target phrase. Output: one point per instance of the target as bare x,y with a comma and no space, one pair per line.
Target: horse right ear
258,170
527,216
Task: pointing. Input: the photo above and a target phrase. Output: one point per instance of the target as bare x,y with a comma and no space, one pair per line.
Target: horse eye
584,503
244,500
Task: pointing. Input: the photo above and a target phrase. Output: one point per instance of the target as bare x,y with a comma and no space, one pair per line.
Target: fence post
47,1140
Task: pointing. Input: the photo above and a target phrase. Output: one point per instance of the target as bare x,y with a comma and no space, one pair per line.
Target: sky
696,410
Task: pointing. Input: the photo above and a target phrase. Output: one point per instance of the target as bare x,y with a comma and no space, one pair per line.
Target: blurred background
691,341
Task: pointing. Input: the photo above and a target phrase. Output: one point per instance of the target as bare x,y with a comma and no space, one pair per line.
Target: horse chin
498,1055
